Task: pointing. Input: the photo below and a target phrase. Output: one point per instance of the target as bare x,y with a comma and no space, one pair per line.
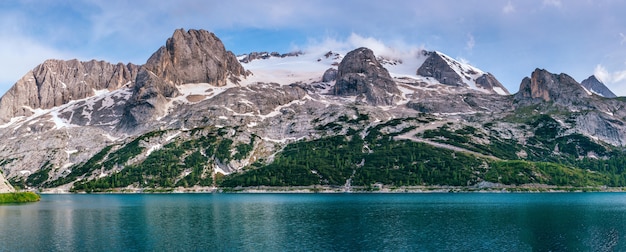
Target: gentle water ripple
317,222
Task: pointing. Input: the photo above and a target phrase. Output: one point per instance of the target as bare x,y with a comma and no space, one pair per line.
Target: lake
317,222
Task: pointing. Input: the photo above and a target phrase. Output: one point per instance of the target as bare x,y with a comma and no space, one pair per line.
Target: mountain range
196,116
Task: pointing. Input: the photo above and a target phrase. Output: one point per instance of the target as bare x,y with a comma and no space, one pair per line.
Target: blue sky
507,38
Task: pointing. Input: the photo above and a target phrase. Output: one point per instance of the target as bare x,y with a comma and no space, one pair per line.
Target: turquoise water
317,222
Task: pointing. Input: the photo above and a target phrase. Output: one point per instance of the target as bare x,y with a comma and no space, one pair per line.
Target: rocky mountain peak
437,67
545,86
56,82
596,86
454,73
195,56
361,74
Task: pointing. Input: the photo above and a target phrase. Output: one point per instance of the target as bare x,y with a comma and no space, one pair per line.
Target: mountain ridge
196,115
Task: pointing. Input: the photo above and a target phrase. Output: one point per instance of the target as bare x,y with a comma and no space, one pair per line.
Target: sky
508,38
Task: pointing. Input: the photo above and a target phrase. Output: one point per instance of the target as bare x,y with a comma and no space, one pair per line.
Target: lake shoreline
365,190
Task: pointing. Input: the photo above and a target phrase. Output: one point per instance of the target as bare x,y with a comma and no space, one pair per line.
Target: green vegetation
376,158
19,197
178,163
88,167
40,176
518,172
364,156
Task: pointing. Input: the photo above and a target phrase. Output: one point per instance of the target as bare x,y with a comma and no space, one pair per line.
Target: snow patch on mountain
468,73
306,68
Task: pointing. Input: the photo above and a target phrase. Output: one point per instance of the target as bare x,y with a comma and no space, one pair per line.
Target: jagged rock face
545,86
148,101
5,187
265,55
488,81
330,75
436,67
56,82
462,103
195,56
594,85
360,73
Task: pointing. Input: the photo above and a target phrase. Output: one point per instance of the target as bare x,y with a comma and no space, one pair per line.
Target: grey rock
442,68
330,75
195,56
360,73
544,86
594,85
489,82
465,103
148,101
437,67
265,55
57,82
5,186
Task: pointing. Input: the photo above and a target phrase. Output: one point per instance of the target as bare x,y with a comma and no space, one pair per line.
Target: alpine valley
196,117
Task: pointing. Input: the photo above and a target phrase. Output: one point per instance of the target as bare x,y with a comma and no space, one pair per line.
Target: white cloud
619,76
623,38
463,60
609,77
601,73
554,3
470,42
508,8
397,49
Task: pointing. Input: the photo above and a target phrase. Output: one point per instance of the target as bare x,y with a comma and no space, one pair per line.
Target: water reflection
344,222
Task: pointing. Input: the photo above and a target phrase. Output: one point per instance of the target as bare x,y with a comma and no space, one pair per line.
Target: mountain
597,87
57,82
451,72
197,117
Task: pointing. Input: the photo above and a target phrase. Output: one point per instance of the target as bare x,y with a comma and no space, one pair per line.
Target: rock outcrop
360,74
544,86
5,187
437,67
454,73
489,82
596,86
266,55
329,75
149,99
56,82
195,56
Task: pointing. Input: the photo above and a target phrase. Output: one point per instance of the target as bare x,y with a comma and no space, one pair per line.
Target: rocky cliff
56,82
454,73
543,86
195,56
5,187
360,74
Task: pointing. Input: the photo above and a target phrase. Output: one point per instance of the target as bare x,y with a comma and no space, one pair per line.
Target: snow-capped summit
449,71
597,87
424,67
